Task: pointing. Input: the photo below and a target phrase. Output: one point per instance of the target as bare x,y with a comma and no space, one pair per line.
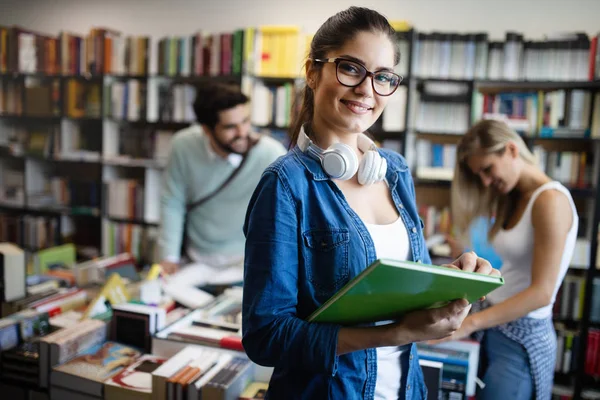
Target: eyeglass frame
336,61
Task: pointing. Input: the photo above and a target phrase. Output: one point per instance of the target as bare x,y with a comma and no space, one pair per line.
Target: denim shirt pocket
326,259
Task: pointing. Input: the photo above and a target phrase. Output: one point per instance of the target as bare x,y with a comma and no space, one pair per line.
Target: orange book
175,378
108,55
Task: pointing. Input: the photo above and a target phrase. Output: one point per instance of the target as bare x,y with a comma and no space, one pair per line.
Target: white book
12,263
394,116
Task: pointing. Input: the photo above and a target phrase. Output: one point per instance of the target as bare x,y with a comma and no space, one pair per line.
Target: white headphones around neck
340,161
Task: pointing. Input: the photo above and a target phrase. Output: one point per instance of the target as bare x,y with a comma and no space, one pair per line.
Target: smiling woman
324,212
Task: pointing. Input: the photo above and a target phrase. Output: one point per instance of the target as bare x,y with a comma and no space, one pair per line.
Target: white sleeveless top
391,241
515,247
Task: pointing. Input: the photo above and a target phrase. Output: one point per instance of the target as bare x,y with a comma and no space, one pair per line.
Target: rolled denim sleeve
273,335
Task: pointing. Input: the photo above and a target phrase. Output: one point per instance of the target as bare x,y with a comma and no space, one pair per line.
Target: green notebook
387,289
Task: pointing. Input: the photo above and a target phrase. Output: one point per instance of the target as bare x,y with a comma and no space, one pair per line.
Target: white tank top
391,241
515,247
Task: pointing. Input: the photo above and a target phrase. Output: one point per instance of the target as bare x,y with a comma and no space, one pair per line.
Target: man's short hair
212,98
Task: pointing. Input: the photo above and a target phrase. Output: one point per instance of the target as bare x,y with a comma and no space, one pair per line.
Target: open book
387,289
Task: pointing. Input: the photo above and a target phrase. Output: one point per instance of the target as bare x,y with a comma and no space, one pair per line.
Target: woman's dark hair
212,98
332,35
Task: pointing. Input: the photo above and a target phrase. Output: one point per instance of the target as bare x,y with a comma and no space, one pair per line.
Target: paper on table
183,285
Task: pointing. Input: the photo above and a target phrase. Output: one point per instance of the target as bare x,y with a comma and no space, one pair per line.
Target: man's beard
228,147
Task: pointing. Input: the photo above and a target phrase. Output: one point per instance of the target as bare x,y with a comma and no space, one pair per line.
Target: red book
592,60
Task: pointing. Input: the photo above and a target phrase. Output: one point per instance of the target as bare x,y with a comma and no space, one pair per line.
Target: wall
176,17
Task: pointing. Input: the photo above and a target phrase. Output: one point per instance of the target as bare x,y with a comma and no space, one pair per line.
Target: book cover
135,381
99,363
388,289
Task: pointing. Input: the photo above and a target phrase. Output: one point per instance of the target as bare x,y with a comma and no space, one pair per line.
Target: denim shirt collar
394,166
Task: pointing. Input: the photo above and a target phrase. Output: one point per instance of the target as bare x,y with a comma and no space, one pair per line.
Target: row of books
30,232
203,54
100,51
592,357
570,298
12,189
272,105
435,160
567,349
42,98
138,240
559,57
128,144
557,113
570,168
440,117
124,199
435,220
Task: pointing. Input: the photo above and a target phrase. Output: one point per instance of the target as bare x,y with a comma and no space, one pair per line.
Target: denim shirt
303,243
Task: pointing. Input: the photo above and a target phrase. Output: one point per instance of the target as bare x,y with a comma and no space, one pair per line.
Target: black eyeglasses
351,74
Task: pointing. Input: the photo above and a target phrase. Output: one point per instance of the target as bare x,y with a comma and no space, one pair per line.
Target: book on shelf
592,355
134,381
88,371
12,272
567,349
186,372
64,344
387,289
458,372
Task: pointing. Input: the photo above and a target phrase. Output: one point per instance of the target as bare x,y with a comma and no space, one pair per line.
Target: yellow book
401,26
279,29
293,61
113,291
154,272
265,55
540,116
249,39
3,51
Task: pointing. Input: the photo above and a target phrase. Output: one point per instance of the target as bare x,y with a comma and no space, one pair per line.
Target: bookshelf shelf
494,86
74,211
539,139
568,323
131,221
271,126
274,80
383,135
135,163
194,79
432,182
429,98
444,80
22,75
23,157
31,118
563,379
457,136
167,125
84,119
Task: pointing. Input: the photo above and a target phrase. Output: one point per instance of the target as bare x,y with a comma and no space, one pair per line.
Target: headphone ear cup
366,170
382,170
340,161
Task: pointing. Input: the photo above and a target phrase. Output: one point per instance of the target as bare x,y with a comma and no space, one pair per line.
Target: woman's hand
471,263
430,324
466,329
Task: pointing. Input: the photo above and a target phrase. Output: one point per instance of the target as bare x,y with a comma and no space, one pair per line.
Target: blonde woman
534,233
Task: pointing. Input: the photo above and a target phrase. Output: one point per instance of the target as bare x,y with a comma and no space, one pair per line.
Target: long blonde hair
469,197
